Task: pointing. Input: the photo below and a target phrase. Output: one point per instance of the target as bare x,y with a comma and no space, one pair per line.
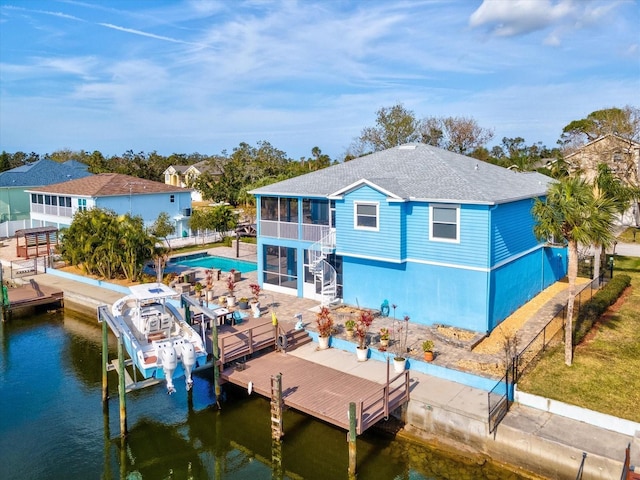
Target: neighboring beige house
620,154
184,176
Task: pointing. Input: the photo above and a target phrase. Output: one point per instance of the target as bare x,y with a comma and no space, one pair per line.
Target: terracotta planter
428,356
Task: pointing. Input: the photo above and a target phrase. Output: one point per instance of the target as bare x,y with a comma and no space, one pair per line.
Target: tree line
229,176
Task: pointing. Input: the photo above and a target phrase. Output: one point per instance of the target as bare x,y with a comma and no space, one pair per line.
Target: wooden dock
32,295
322,392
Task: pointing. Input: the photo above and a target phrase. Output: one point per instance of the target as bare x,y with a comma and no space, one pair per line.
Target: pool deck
220,285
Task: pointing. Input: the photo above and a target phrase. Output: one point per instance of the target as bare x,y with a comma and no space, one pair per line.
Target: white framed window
82,204
365,215
445,223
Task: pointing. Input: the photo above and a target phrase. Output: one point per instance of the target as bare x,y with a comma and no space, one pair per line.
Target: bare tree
457,134
395,125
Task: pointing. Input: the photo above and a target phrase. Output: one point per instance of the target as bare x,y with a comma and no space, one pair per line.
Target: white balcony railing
310,233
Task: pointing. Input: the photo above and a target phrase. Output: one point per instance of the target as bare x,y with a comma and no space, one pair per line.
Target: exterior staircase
323,270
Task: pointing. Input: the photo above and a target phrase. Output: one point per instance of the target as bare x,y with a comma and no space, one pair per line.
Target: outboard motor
169,359
188,361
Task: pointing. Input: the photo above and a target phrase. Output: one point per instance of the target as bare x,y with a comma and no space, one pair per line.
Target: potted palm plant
385,334
365,319
324,320
427,348
198,288
350,326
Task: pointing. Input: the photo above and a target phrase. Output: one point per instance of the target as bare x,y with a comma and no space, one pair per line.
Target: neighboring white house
55,205
185,175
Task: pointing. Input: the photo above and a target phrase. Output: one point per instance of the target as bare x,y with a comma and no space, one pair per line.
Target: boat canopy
152,291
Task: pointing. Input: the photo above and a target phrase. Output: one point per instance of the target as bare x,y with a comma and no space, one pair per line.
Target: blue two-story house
445,237
55,205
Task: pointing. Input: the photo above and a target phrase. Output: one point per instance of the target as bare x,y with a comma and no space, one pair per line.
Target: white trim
270,287
516,257
439,239
355,215
449,265
369,257
359,183
413,260
436,264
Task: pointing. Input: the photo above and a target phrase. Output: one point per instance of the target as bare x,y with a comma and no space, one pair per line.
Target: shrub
593,309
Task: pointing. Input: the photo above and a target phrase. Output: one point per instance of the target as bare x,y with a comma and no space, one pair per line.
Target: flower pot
349,334
231,301
323,343
362,353
209,295
428,356
255,309
243,304
384,342
399,364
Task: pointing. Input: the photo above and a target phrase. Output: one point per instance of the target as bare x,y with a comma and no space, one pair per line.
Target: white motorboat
157,338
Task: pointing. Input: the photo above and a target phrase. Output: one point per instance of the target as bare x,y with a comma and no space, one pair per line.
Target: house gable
621,155
383,241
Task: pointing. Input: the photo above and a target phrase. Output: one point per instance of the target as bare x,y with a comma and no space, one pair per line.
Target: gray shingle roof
43,172
418,172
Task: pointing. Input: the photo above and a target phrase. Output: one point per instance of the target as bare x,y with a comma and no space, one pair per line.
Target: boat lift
127,382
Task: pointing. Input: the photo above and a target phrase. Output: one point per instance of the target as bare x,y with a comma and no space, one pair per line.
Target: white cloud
517,17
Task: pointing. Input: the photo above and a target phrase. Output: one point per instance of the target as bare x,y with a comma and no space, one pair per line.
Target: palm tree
573,213
607,184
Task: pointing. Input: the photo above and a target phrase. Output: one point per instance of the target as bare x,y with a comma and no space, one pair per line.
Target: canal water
52,424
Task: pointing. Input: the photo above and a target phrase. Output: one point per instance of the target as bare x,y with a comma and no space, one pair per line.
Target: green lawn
628,235
605,375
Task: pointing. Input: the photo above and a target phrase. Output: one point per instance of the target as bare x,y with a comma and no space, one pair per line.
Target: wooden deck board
33,294
311,388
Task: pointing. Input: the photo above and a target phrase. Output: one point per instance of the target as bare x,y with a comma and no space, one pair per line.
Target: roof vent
407,147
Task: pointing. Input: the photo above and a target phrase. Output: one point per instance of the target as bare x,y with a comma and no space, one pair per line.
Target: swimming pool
211,261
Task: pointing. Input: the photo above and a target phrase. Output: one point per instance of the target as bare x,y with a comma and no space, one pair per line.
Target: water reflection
50,396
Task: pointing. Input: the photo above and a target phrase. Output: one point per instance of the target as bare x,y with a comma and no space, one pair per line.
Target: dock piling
276,407
351,439
122,389
105,361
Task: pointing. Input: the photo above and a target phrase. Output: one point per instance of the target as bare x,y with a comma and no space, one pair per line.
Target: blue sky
203,76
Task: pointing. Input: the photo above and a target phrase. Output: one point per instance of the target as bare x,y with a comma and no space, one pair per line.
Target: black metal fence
499,400
501,395
32,266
